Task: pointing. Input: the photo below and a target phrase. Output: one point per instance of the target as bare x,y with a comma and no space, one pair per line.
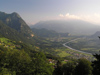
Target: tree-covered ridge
48,33
14,21
18,62
12,34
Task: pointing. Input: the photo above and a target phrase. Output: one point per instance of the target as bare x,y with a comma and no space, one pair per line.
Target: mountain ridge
48,33
71,26
13,27
14,21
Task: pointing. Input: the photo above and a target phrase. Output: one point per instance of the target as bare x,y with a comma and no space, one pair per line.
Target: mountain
48,33
12,26
96,34
14,21
70,26
6,31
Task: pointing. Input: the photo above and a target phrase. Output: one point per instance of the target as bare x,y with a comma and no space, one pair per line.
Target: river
65,45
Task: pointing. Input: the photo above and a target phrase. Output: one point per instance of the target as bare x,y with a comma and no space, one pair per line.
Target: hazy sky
33,11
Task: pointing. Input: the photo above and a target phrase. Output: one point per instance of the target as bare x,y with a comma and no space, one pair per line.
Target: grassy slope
8,43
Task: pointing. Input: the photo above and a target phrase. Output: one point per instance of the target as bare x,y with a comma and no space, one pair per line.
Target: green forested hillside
19,59
48,33
14,21
10,33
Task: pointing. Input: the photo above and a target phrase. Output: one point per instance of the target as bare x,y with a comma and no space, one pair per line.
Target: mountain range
69,26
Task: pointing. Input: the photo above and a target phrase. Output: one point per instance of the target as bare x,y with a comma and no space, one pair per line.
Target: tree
84,67
18,61
96,65
58,69
40,65
68,68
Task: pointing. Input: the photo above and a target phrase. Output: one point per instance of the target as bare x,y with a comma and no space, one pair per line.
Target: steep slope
96,34
16,22
72,26
10,33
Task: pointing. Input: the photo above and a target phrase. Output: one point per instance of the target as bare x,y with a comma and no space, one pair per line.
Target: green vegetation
15,59
19,59
84,67
6,31
96,65
48,33
63,54
89,44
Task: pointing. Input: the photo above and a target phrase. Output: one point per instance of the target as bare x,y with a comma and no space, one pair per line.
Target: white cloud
97,15
68,16
72,16
61,15
93,18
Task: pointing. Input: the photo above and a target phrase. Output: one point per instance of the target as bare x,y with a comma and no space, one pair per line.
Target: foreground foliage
18,62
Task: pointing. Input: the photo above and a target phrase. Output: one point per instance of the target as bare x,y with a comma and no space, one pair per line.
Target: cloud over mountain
92,18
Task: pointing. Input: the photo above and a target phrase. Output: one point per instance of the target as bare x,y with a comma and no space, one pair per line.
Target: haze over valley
76,27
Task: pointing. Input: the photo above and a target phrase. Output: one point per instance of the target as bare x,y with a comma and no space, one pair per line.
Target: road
65,45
